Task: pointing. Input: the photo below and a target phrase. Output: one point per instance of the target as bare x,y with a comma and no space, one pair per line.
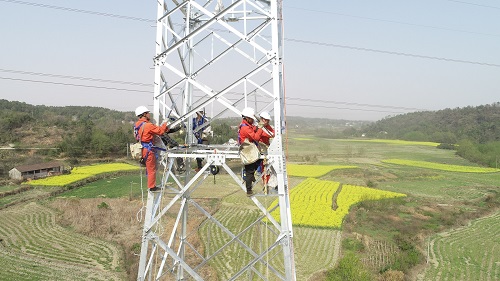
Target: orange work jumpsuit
146,133
265,138
253,134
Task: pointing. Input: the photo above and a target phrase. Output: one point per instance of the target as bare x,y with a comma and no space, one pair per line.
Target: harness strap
150,147
136,131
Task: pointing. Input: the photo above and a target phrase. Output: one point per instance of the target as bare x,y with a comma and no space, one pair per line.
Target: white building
36,171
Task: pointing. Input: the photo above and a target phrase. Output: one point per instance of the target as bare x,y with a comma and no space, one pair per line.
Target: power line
357,104
291,104
389,52
74,85
475,4
406,109
74,77
286,39
397,22
286,6
78,10
345,108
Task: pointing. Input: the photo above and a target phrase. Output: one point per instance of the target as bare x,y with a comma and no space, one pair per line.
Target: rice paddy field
328,179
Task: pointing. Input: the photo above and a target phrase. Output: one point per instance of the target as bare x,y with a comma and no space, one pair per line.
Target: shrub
371,183
349,268
449,146
407,258
353,245
103,205
392,275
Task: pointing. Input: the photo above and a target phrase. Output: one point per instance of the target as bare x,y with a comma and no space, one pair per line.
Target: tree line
85,132
474,132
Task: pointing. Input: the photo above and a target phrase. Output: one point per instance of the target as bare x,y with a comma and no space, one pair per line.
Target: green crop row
313,171
442,167
463,254
315,250
395,142
31,234
236,219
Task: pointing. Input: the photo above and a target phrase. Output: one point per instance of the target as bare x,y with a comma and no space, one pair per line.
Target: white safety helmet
248,112
140,110
265,115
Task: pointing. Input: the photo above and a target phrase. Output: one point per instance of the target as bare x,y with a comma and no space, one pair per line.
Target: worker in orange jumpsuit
267,130
145,131
267,134
248,130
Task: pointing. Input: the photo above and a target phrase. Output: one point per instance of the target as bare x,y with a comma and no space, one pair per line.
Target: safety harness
148,145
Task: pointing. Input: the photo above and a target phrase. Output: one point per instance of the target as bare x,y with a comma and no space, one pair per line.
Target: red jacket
248,131
267,133
148,129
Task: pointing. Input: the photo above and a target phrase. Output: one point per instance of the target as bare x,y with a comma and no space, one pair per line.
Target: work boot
250,193
155,189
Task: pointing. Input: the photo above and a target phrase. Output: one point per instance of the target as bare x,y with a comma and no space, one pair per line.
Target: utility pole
227,54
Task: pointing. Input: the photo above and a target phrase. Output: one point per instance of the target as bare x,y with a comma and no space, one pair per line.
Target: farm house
36,171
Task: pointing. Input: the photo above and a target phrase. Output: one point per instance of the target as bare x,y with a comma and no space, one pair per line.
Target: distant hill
474,132
19,120
76,131
479,124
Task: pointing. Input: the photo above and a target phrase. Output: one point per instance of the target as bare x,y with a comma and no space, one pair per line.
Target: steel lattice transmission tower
219,56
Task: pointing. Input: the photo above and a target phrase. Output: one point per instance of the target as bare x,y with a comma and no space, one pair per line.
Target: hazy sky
357,60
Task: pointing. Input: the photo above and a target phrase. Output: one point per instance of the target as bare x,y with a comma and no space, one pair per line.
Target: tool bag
136,148
249,152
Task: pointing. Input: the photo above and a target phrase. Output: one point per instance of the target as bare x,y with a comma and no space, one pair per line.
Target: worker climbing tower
219,56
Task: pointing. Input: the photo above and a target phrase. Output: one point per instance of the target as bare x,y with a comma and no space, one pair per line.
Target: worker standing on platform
198,128
247,130
267,130
267,135
144,131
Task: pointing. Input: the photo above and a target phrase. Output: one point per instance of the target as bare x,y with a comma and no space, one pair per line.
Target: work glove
174,128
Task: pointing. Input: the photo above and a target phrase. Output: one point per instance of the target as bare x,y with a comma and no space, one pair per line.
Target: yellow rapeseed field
312,202
396,142
313,171
80,173
439,166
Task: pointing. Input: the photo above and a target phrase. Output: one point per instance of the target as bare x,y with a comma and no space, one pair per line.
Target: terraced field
315,249
468,253
439,166
381,253
236,219
34,247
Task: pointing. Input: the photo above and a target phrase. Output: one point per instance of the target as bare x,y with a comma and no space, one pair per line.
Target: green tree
101,144
222,133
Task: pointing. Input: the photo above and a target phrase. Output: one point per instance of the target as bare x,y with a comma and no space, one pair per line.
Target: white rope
140,212
267,238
